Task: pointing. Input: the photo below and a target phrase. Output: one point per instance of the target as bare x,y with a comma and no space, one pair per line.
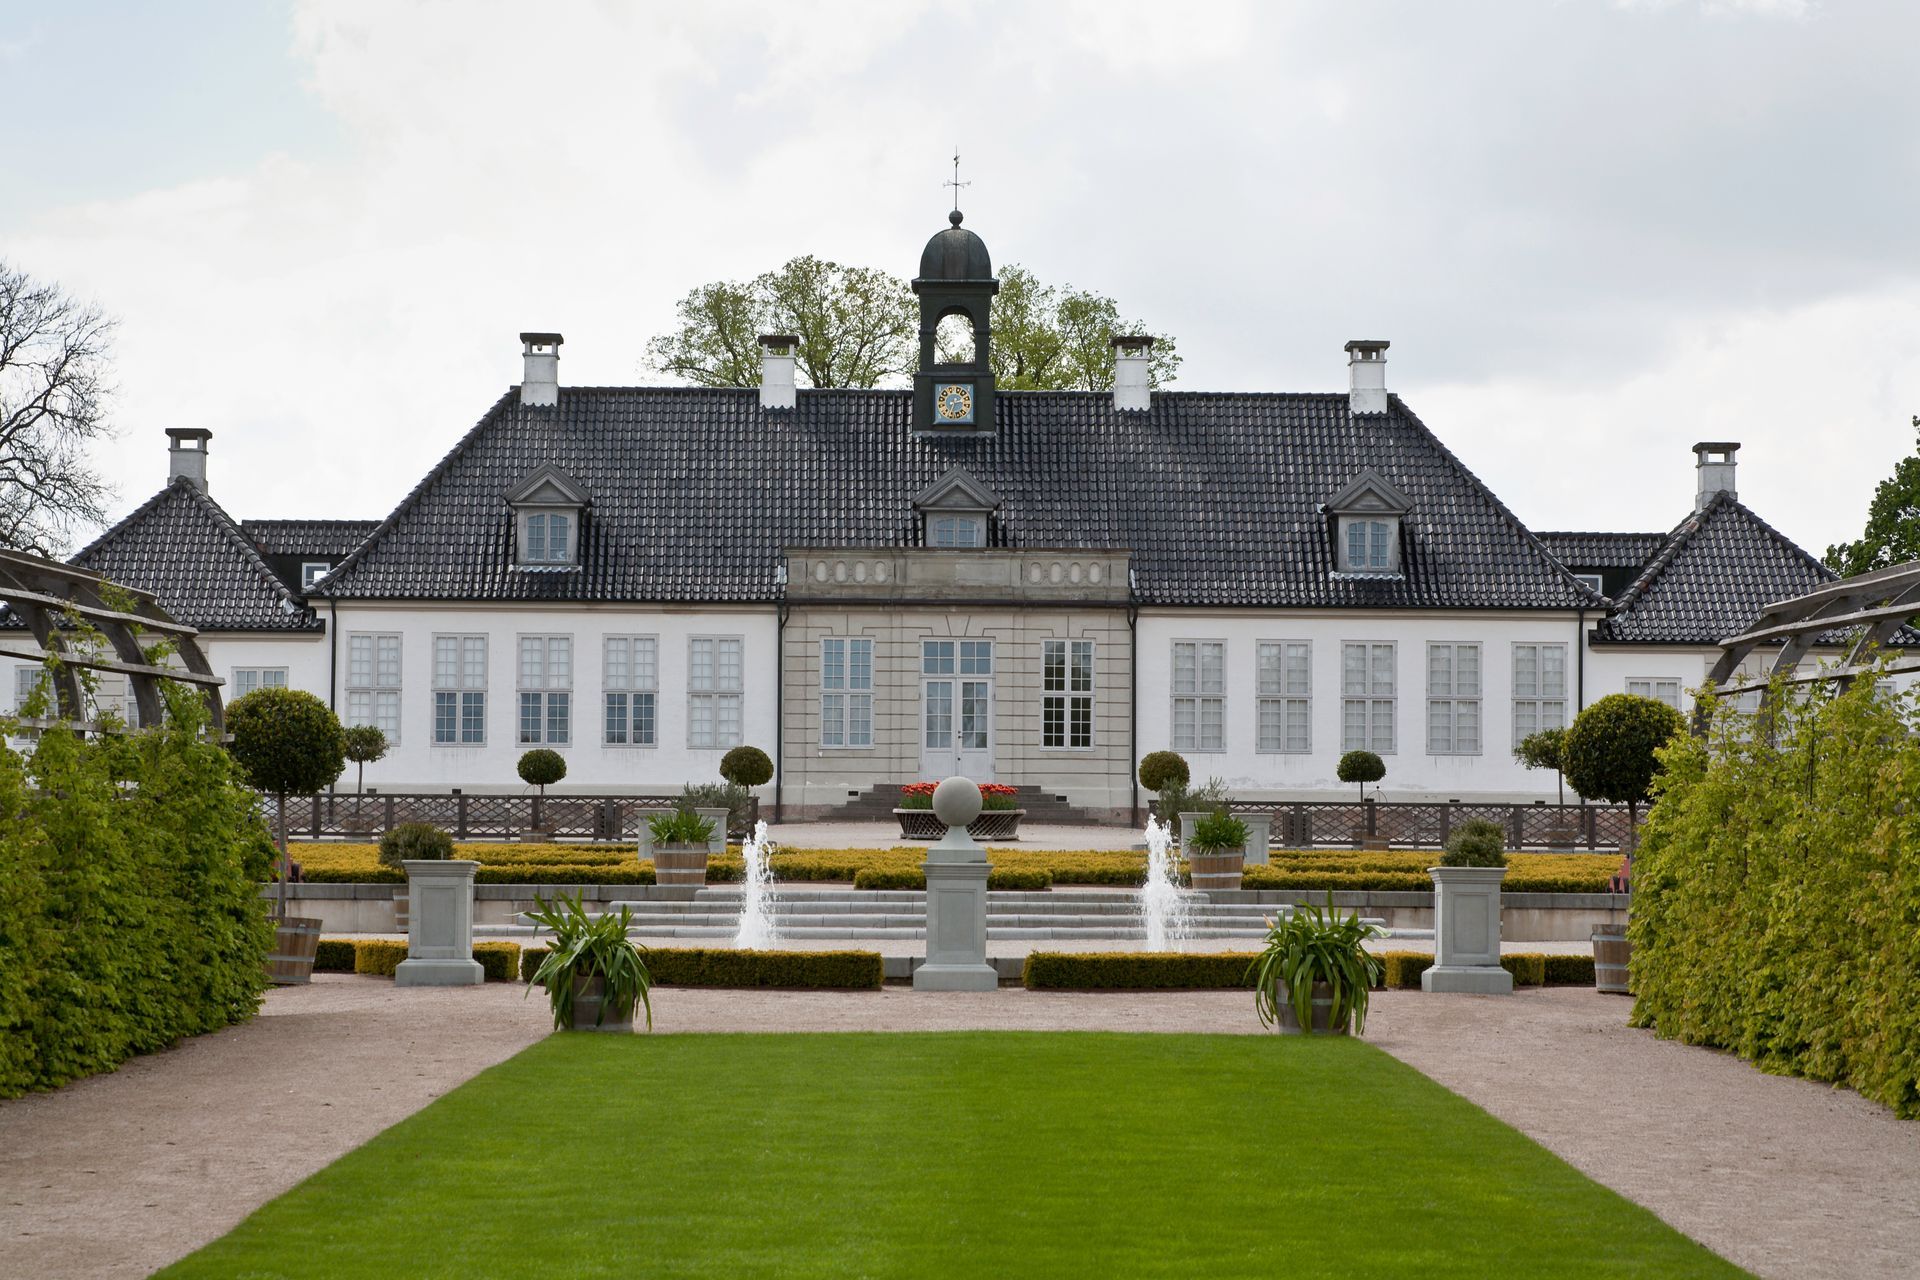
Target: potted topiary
745,768
680,844
594,977
364,744
541,767
1160,770
1466,912
1546,750
1360,768
1314,974
411,841
1217,854
287,742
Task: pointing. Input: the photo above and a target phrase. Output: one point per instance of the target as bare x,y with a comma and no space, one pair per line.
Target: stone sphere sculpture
956,801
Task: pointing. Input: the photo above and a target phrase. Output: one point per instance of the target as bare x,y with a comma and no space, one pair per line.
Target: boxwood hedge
724,967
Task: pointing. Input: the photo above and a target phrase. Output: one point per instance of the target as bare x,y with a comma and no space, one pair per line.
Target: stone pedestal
645,833
1188,821
439,926
1466,932
717,843
956,870
1259,833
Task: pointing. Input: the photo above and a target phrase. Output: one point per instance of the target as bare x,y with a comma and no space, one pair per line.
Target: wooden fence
471,817
1416,825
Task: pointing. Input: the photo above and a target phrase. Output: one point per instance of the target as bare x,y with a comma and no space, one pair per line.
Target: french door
956,709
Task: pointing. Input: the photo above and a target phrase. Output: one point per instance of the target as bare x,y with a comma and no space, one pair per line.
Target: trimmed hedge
1529,968
724,967
500,961
334,955
1776,903
1136,971
379,957
1568,971
916,878
130,911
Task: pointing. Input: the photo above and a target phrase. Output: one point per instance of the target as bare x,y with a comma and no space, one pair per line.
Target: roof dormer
954,510
547,510
1365,519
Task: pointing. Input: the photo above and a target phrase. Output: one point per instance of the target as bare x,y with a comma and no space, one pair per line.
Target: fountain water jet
756,932
1163,905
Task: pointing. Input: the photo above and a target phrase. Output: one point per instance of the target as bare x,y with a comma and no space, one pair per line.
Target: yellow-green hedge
379,957
1136,970
724,967
1529,968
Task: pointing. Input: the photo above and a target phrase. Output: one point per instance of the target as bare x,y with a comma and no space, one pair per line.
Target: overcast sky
1594,232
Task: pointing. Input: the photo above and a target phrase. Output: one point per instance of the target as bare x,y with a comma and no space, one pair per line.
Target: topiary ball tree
364,744
746,767
287,742
1361,767
541,767
1609,752
1476,843
1546,749
1159,769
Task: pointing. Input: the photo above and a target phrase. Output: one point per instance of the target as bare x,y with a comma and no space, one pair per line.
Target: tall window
1667,691
846,691
715,679
1453,699
546,690
1066,693
1199,695
1369,545
247,679
630,678
1367,697
1284,686
459,691
1539,688
373,681
548,539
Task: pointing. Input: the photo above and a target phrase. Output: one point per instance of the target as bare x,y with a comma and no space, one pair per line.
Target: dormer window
311,571
954,511
1366,518
547,511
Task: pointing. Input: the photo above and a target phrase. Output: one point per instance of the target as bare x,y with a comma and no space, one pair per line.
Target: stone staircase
876,803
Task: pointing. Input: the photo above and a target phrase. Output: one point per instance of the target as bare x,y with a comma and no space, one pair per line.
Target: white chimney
187,455
540,378
1367,376
776,370
1130,383
1713,466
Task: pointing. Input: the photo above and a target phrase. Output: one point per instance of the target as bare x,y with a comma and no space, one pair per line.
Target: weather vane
956,184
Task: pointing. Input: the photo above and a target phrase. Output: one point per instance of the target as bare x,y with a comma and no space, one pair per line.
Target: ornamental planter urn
1466,932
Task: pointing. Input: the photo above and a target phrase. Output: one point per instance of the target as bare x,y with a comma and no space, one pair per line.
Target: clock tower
956,278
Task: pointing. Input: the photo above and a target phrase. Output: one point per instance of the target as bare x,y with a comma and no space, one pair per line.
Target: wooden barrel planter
1216,872
587,996
680,864
1611,951
296,940
1320,1017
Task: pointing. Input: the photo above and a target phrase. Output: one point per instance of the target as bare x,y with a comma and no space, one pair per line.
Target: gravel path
120,1174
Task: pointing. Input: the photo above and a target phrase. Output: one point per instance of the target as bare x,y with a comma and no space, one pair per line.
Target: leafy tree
859,327
1892,535
364,744
1609,751
1158,768
287,742
746,767
53,394
1546,749
1361,767
541,767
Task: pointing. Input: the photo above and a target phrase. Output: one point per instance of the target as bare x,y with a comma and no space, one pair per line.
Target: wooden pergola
50,597
1874,607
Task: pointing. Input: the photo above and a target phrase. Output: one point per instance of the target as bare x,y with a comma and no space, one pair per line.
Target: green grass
943,1155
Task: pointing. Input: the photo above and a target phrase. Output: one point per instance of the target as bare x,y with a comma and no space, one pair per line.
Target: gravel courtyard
120,1174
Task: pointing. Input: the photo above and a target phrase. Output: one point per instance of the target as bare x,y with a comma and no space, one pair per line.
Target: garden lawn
989,1154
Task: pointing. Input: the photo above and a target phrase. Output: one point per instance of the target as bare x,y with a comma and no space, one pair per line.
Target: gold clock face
953,402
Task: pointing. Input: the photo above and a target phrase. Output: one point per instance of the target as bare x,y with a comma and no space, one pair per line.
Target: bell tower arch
956,279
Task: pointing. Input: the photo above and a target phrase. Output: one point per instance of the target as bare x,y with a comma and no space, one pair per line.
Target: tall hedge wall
130,913
1776,904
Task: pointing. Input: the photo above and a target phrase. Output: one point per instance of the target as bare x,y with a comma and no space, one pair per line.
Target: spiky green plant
1315,945
586,946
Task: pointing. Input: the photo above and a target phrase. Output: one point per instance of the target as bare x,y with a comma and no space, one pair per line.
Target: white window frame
1283,694
1198,697
1592,581
311,571
945,529
1536,706
543,690
1382,536
1065,700
629,681
374,686
464,688
1649,687
569,554
1455,725
1374,696
846,693
716,698
255,678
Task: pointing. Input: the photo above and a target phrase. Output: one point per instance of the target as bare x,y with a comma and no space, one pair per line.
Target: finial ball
954,217
956,801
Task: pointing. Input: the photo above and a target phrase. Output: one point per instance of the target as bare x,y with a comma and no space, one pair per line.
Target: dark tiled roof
1603,550
695,492
181,546
308,537
1716,571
